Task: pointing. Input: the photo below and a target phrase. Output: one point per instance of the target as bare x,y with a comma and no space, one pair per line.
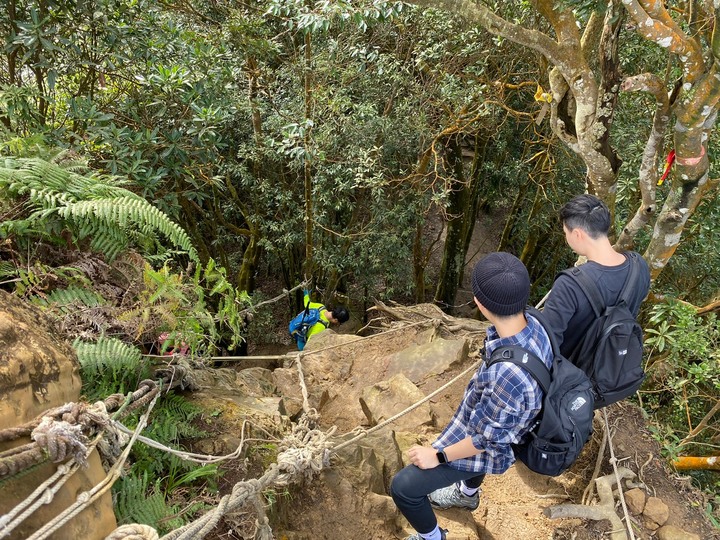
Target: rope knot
61,440
133,531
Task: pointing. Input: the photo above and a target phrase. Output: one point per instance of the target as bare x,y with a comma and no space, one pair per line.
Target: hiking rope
205,459
614,462
589,490
86,498
43,494
303,387
61,431
305,451
133,531
411,408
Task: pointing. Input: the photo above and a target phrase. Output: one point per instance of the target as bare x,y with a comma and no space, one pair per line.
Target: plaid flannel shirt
499,405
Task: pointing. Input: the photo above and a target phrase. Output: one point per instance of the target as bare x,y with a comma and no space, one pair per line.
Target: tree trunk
648,177
462,213
307,171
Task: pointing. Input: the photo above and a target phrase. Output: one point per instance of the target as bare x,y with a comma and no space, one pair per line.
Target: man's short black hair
341,313
588,213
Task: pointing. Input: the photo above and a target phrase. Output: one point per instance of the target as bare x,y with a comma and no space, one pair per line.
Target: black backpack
564,424
612,348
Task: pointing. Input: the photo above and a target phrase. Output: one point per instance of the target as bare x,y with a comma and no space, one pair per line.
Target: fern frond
7,270
71,298
107,354
137,502
126,211
92,205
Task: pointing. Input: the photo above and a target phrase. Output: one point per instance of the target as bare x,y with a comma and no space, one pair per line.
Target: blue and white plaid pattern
499,405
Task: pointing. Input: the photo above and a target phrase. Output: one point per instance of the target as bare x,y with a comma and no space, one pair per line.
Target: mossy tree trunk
461,215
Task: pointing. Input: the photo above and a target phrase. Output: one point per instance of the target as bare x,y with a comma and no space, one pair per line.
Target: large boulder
38,371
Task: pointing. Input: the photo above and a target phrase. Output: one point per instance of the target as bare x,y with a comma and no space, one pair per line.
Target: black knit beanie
501,283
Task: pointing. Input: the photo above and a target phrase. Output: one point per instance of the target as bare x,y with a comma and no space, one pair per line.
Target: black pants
411,486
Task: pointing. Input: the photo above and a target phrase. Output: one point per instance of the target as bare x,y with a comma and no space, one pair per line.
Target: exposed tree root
604,510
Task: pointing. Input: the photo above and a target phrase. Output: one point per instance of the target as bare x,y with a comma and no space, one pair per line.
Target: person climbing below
314,319
499,406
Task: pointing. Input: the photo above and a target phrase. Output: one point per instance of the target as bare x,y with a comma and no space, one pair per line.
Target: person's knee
401,486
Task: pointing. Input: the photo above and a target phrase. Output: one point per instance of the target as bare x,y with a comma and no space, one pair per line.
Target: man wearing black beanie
498,408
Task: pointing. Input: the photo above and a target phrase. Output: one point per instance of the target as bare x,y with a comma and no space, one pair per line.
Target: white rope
613,462
86,498
133,531
307,452
43,494
187,456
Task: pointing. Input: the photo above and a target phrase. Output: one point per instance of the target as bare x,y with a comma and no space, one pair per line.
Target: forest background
169,165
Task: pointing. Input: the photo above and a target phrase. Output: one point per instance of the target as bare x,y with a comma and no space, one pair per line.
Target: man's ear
580,234
478,304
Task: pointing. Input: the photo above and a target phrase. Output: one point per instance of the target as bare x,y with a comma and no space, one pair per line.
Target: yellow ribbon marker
545,98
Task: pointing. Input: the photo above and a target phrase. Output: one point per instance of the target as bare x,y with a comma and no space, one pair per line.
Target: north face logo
622,352
578,403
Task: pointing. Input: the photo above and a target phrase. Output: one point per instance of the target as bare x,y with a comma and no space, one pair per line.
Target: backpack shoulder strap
632,278
537,314
515,354
588,287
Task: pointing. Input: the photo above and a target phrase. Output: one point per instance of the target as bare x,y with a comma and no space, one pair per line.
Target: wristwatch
441,457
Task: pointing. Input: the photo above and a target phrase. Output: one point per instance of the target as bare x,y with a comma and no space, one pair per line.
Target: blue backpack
301,324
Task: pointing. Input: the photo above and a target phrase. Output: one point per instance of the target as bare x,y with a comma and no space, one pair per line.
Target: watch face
441,457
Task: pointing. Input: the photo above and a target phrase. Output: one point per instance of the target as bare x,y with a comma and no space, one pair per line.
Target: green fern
108,365
91,206
70,298
8,270
136,501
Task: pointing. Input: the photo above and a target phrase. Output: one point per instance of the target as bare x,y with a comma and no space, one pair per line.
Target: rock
422,361
224,379
256,381
656,511
635,499
387,398
38,371
287,385
671,532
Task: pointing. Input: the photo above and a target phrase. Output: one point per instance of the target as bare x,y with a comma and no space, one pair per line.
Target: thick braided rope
27,456
43,494
86,498
61,432
133,531
308,457
306,454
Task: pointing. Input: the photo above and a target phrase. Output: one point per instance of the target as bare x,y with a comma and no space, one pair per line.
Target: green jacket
318,326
